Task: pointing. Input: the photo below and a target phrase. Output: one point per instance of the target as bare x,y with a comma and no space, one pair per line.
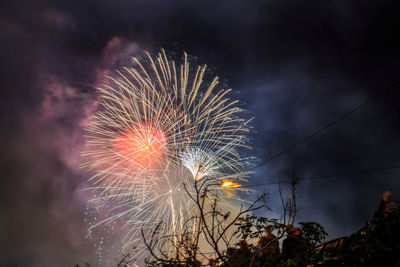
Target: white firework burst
159,130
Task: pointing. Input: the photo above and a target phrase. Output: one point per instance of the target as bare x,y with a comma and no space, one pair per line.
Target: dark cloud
298,65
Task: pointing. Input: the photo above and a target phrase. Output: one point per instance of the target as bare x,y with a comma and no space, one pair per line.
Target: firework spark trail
160,127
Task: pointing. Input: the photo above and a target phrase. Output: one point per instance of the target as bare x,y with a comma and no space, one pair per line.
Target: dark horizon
298,67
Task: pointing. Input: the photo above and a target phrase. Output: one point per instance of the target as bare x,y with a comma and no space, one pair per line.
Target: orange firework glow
229,184
141,145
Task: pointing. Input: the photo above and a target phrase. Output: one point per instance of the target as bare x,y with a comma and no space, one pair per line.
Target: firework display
162,127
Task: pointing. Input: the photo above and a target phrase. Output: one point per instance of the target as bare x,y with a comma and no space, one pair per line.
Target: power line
367,101
329,176
352,173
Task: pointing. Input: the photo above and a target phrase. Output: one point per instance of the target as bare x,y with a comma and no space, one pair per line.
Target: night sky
298,66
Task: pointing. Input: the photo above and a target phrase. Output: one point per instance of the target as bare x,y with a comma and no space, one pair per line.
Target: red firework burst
142,145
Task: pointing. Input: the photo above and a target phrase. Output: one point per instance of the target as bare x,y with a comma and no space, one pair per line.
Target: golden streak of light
229,184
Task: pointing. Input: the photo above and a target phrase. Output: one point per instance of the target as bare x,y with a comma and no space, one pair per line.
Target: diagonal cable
367,101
